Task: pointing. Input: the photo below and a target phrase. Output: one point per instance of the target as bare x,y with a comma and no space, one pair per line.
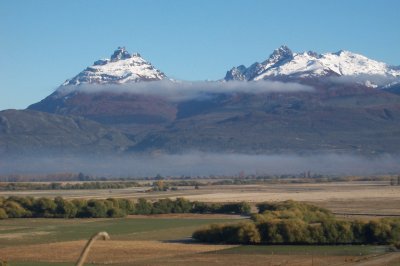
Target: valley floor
345,198
165,239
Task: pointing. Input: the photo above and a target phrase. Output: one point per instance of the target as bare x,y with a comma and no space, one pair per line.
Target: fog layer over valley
201,164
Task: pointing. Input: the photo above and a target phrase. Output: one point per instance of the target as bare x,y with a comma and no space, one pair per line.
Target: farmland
160,240
165,239
361,197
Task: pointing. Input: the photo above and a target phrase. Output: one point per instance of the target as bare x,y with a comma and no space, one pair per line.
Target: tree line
29,207
291,222
66,186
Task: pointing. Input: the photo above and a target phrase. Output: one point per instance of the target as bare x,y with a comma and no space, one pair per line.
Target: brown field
117,252
105,252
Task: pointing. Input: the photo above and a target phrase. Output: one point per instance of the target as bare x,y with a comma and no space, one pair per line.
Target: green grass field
40,264
340,250
21,232
37,231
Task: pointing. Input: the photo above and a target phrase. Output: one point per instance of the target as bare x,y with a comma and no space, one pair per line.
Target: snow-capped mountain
122,67
284,63
349,117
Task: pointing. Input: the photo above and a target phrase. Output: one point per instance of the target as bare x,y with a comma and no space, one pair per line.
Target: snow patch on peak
122,67
284,63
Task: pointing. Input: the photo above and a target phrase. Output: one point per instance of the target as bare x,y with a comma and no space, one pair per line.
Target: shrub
64,208
3,214
248,233
44,207
143,207
15,210
298,223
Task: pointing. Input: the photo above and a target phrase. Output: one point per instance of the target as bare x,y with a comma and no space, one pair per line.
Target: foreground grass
21,232
339,250
38,231
41,264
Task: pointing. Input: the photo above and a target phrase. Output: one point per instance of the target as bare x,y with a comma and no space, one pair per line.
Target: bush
64,208
95,209
245,233
298,223
18,207
143,207
44,207
293,209
3,214
15,210
115,213
248,233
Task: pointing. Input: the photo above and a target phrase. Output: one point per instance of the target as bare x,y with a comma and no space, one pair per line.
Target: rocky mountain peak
120,54
122,67
282,53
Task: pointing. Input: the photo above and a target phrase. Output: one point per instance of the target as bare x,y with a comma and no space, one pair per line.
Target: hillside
27,131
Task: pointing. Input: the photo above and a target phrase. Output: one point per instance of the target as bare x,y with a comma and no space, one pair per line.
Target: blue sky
42,43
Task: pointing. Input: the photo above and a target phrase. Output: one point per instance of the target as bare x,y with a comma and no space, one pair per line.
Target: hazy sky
43,43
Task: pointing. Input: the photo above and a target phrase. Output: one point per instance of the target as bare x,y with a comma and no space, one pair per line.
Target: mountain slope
74,97
365,122
27,131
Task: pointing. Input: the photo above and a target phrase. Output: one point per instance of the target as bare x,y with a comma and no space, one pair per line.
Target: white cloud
178,91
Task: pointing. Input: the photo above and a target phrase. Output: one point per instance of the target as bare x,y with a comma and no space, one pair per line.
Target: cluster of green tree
185,183
67,186
161,185
242,208
28,207
291,222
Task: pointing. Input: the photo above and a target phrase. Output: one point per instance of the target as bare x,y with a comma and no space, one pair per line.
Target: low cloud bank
378,80
202,164
179,91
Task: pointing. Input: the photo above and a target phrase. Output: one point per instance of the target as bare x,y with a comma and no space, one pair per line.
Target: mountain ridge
284,63
123,67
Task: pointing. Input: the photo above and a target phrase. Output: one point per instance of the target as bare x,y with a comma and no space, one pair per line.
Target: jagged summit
120,54
122,67
280,54
284,63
